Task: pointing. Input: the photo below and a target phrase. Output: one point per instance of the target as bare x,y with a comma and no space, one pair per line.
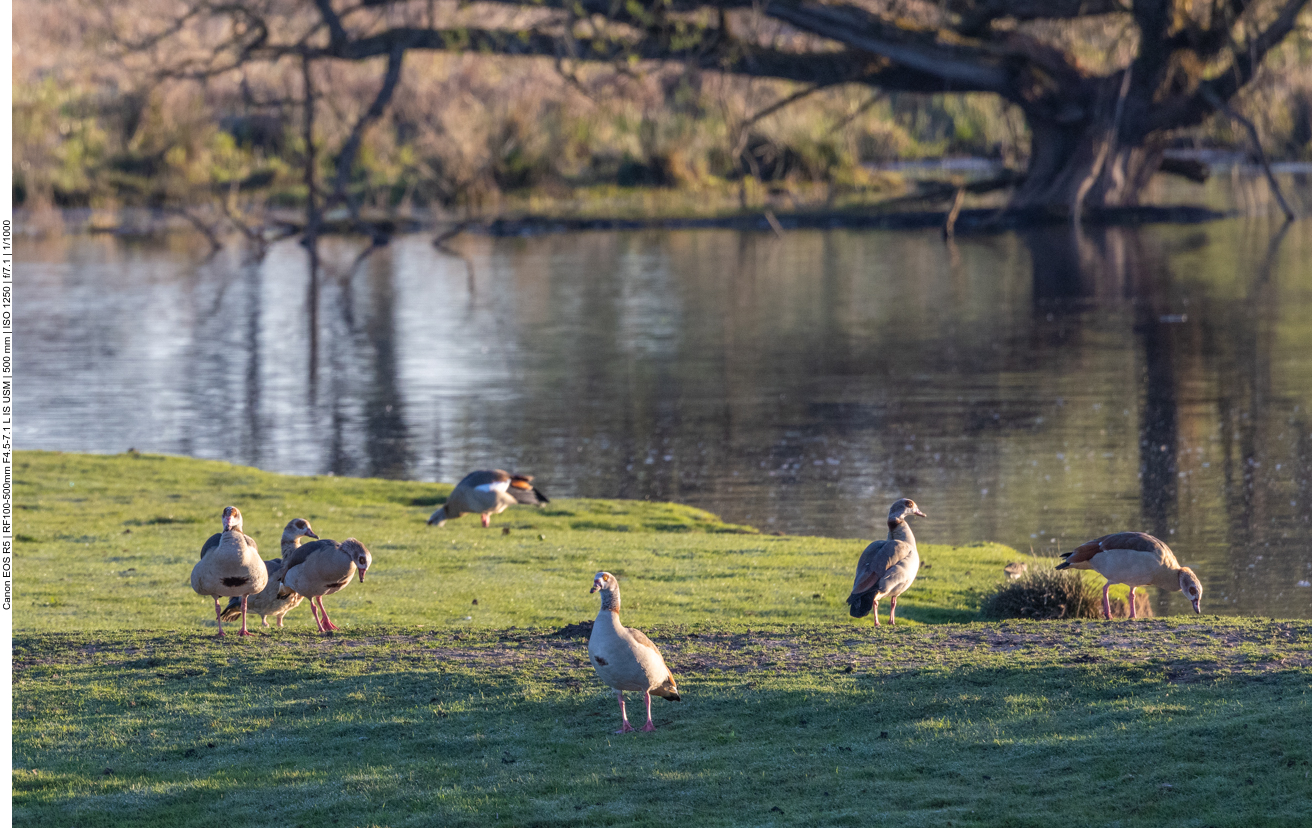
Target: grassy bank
429,709
108,542
1183,722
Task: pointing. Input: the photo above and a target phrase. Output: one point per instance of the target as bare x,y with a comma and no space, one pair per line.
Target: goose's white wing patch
498,486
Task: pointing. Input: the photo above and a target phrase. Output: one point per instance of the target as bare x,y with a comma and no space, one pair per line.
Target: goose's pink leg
315,612
874,613
1106,602
648,727
624,717
1132,602
244,631
892,609
218,616
487,520
328,622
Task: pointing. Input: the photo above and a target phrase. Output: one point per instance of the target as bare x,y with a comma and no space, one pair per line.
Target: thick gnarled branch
1193,109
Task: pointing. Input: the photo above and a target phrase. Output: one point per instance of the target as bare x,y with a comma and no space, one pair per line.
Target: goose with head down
276,599
487,493
623,657
230,568
322,568
887,567
1135,559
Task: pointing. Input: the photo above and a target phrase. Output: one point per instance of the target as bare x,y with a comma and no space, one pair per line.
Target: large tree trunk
1082,160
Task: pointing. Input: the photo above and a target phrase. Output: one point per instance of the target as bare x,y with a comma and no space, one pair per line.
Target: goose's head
903,507
231,519
359,556
439,517
605,582
1192,588
299,528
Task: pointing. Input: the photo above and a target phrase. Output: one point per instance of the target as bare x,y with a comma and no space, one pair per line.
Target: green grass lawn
430,710
109,543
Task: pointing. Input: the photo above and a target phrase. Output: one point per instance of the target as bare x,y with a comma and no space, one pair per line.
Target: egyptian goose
232,567
623,657
1135,559
212,542
488,493
275,599
322,568
888,566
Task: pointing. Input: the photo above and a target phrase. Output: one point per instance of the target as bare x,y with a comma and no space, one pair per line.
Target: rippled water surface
1036,389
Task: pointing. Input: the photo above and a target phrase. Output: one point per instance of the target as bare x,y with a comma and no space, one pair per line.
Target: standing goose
232,567
322,568
488,493
1135,559
275,599
623,657
887,567
212,542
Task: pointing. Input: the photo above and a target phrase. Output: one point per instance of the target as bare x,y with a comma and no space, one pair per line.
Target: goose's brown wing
302,553
642,639
523,490
482,478
878,558
1136,541
211,544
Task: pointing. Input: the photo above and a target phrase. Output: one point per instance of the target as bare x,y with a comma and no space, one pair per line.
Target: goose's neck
610,600
1168,577
290,542
899,529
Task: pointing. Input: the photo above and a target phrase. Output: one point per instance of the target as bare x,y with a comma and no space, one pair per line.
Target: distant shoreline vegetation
472,137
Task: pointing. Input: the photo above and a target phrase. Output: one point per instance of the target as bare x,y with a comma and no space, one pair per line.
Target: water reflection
1037,388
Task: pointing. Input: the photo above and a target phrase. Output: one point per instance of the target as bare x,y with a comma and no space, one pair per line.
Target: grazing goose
1135,559
231,568
488,493
275,599
887,567
322,568
623,657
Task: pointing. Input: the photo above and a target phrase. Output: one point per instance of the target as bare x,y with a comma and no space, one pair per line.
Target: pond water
1036,388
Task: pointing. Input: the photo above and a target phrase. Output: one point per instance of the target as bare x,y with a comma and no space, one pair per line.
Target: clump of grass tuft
1043,594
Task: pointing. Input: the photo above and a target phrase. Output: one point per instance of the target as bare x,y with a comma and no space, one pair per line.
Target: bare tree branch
351,147
1193,109
921,51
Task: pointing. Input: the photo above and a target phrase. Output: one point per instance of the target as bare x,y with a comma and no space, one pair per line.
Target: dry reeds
1044,594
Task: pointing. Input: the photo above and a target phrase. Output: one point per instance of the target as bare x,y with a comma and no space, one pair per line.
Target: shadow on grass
510,727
